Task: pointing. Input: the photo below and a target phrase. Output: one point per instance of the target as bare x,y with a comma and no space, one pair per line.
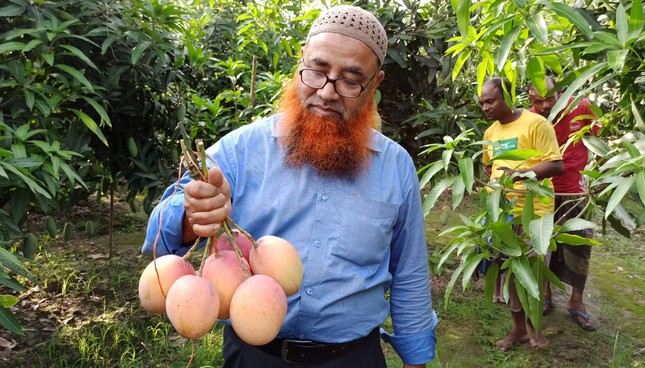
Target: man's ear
379,78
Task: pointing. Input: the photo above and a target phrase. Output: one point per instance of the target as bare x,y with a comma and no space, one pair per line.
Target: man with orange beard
320,176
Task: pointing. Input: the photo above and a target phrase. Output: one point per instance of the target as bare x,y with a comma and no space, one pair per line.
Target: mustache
331,105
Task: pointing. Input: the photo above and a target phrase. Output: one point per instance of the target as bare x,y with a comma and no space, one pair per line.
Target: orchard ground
85,310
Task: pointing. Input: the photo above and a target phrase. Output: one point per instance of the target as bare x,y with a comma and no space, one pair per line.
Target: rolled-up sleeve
166,221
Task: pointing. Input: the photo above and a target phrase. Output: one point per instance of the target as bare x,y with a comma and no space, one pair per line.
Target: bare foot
511,339
539,342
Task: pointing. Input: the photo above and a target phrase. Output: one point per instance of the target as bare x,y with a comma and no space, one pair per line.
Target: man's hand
207,204
414,366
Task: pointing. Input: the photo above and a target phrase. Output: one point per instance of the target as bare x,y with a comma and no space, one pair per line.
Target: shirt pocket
367,228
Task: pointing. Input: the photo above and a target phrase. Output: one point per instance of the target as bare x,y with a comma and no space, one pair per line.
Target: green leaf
510,243
76,74
636,20
537,27
446,253
91,125
639,123
576,224
99,109
461,59
11,282
9,321
463,17
138,51
517,155
12,10
492,204
29,99
451,283
79,54
446,157
528,212
466,169
10,261
571,14
609,39
33,185
622,26
640,186
631,149
572,239
506,45
540,231
524,274
538,189
490,281
11,46
586,73
619,193
595,48
470,266
434,168
481,74
458,189
535,69
8,301
622,222
435,193
616,59
553,278
596,145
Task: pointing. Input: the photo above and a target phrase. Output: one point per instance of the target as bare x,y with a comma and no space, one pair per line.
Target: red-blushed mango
277,258
225,273
242,241
258,309
169,267
192,306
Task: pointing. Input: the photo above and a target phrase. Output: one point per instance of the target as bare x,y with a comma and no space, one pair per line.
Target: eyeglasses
344,87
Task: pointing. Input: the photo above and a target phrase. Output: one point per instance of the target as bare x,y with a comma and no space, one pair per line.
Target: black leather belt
312,352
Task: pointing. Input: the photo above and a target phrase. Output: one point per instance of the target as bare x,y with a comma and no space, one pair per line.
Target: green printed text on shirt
505,145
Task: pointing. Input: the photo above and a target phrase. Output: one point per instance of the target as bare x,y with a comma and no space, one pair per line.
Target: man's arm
545,169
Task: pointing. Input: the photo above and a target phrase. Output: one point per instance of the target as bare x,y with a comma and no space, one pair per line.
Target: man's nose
328,92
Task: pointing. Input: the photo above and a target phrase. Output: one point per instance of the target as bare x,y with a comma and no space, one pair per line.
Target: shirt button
324,197
310,291
317,243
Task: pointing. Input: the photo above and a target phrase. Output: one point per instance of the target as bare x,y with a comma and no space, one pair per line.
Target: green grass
86,312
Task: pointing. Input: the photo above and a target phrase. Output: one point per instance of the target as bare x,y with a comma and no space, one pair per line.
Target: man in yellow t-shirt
515,128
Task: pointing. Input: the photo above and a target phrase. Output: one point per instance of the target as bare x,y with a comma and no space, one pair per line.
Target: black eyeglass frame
333,81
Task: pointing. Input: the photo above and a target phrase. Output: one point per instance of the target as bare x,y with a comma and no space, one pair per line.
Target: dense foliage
596,51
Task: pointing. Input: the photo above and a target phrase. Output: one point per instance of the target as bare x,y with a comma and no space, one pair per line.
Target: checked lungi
571,262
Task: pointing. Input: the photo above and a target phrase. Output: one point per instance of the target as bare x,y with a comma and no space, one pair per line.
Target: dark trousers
238,354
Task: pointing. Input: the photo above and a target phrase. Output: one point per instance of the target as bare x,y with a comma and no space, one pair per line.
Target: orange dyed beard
332,146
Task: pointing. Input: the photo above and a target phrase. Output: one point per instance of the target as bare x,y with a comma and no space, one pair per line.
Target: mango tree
594,51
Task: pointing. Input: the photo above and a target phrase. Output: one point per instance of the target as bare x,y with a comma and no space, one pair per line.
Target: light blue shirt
357,238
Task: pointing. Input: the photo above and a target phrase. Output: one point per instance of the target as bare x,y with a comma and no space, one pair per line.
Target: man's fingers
206,231
201,190
215,176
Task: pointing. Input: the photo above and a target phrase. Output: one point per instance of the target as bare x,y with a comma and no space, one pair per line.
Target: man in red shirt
570,263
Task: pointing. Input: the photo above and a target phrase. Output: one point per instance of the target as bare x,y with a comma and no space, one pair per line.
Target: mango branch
244,232
200,172
238,252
